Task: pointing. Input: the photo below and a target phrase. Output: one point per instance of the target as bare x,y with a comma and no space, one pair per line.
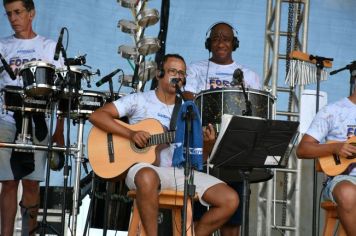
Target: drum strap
177,105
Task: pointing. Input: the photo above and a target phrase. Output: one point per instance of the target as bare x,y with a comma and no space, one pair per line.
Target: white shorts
172,178
328,191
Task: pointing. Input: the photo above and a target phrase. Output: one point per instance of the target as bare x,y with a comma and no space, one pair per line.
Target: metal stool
169,199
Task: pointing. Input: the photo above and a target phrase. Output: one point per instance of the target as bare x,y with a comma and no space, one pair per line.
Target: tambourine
128,3
148,45
132,4
128,26
147,17
128,52
147,70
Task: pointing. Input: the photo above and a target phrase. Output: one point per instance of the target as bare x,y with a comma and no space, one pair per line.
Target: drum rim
75,69
248,90
86,92
29,64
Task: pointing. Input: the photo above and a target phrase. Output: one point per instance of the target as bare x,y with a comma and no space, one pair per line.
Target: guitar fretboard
156,139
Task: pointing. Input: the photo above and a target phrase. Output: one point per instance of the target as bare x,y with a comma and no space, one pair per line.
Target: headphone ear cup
235,43
161,73
208,44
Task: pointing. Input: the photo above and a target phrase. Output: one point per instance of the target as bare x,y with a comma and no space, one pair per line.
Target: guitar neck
167,137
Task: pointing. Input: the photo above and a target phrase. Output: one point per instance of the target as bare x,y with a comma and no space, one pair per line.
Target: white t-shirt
144,105
335,122
206,74
19,51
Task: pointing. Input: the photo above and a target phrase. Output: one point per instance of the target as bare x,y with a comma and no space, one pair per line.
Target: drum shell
82,105
65,80
214,103
38,78
16,100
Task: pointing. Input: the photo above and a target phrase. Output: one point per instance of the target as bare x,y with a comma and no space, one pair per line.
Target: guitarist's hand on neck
140,138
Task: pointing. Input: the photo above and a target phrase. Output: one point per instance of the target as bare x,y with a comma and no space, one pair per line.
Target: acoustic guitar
334,165
111,155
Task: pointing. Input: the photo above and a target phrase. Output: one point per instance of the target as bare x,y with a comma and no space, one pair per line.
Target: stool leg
330,223
177,220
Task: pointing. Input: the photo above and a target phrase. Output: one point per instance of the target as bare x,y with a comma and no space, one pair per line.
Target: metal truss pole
279,199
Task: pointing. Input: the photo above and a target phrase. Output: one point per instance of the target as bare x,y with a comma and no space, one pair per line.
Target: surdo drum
216,102
38,78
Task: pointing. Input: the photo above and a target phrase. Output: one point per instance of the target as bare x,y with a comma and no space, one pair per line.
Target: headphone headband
235,43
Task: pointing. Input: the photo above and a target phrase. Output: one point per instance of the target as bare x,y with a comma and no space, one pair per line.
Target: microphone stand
189,187
352,68
66,167
245,175
248,111
319,66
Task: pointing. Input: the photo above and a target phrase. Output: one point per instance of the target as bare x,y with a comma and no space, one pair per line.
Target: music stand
250,142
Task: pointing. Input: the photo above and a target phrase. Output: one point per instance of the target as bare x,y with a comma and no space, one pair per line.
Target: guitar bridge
336,159
110,147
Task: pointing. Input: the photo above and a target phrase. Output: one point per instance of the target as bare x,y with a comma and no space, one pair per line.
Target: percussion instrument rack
76,150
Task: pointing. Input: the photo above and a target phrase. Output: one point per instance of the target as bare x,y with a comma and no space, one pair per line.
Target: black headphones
235,40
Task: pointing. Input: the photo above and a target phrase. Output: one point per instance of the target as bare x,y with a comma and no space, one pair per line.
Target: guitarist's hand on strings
345,149
140,138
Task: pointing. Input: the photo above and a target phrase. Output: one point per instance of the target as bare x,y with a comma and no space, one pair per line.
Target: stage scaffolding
279,199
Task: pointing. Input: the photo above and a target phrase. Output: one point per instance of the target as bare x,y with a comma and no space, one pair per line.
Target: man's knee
147,178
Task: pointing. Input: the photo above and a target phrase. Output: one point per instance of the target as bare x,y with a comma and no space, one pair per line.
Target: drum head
128,52
34,64
147,17
148,45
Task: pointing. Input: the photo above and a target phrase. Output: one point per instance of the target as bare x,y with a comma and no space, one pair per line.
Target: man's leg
30,201
345,196
8,205
232,227
147,189
223,202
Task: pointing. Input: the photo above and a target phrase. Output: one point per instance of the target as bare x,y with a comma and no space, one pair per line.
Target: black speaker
235,40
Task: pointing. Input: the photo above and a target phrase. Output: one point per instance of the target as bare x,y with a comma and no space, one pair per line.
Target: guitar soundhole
137,148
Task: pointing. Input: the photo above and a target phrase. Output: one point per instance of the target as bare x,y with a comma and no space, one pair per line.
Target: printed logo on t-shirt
351,131
16,63
215,82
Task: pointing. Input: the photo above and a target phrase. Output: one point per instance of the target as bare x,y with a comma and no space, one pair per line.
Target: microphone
59,45
238,77
174,81
107,78
7,68
77,61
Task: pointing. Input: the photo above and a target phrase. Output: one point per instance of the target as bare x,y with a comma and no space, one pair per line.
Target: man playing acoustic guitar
149,179
336,124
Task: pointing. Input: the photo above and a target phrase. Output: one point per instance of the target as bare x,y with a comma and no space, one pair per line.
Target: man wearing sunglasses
21,47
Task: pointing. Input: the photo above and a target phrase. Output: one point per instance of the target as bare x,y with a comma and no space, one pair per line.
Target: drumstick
303,71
